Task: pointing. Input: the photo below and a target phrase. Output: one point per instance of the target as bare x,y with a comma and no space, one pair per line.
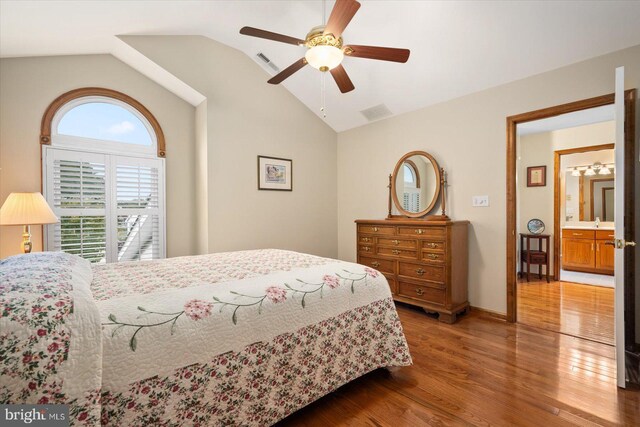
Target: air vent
264,58
376,113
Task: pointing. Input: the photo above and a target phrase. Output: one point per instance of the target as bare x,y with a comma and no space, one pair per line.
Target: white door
619,231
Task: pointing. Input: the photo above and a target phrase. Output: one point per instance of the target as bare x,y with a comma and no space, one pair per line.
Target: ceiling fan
325,49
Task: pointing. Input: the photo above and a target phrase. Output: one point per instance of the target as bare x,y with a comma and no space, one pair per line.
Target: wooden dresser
425,262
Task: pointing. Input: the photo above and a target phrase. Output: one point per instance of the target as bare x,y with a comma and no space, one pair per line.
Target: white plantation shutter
138,208
76,189
111,208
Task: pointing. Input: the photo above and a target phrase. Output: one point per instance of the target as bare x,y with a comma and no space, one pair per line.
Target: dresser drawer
400,253
399,243
433,257
367,249
433,273
434,246
367,240
605,234
579,234
422,231
382,265
422,293
377,229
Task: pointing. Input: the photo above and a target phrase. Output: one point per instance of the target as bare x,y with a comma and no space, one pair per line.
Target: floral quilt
50,345
242,338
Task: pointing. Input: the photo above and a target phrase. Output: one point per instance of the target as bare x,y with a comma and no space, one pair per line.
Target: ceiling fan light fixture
324,58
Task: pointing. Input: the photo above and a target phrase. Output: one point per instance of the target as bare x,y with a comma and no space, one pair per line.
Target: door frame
585,104
556,197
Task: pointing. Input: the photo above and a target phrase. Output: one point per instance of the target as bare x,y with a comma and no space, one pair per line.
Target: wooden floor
483,371
580,310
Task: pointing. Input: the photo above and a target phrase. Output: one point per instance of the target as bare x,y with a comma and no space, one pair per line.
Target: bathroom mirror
415,184
588,197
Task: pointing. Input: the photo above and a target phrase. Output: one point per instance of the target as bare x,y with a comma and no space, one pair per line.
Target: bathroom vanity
590,250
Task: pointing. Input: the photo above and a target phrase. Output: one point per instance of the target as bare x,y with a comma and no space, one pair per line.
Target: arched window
103,175
411,196
409,176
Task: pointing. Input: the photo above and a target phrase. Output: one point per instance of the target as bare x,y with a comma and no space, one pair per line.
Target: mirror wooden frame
394,196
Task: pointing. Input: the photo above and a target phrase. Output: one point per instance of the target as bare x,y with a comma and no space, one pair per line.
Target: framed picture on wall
275,174
537,176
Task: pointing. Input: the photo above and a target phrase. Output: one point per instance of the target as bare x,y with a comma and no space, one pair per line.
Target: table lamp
26,209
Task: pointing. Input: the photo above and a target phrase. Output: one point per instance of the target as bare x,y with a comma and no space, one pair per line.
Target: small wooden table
538,256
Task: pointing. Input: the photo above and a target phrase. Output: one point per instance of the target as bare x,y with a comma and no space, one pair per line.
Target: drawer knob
395,252
419,291
395,242
375,264
366,239
367,248
432,256
375,229
432,245
419,272
419,231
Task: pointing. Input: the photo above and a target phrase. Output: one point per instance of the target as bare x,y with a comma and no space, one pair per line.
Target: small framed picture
275,174
537,176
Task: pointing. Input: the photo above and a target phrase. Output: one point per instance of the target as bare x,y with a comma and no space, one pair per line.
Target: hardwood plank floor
482,371
570,308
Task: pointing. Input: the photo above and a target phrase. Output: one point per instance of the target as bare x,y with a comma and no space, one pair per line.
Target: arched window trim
414,170
73,98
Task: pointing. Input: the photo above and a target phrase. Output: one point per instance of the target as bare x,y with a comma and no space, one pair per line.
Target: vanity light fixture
575,172
604,170
589,172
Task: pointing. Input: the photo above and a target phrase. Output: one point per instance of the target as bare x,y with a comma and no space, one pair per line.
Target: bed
238,338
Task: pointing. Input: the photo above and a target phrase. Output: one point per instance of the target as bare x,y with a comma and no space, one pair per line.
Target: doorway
627,344
512,165
566,269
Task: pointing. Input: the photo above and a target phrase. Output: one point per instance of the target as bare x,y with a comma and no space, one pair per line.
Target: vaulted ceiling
456,47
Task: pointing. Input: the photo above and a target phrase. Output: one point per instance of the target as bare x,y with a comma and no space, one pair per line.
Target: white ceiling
569,120
456,47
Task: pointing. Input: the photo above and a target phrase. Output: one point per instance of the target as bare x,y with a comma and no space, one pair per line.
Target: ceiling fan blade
279,78
376,52
342,79
342,13
255,32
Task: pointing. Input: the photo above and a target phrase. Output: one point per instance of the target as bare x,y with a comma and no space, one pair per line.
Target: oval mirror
415,184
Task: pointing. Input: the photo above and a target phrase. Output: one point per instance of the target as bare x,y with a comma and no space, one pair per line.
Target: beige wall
27,87
538,150
247,117
468,138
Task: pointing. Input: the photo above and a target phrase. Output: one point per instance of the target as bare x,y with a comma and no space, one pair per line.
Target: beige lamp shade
26,209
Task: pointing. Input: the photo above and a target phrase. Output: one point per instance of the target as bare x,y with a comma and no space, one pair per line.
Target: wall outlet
480,201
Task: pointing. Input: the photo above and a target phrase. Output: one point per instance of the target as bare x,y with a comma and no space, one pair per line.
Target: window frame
101,145
51,141
65,98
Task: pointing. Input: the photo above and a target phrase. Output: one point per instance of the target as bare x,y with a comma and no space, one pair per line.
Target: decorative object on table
537,176
26,209
275,174
538,256
535,226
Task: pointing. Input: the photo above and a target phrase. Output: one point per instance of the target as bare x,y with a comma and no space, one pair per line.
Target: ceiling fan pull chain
322,95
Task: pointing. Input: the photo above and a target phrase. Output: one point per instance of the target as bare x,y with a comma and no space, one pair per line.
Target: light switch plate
480,201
